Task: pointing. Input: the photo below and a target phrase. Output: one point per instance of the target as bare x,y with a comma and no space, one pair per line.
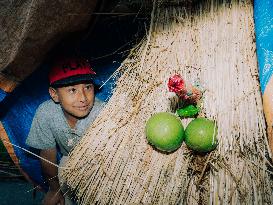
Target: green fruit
165,131
200,135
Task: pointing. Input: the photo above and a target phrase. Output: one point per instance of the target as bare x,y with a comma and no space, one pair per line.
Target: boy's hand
54,198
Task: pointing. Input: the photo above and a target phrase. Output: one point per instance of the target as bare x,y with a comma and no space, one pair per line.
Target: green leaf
188,111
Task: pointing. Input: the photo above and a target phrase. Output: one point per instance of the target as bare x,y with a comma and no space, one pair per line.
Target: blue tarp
263,16
18,109
105,48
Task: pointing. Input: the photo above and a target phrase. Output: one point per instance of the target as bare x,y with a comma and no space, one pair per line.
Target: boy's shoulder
98,106
48,108
98,103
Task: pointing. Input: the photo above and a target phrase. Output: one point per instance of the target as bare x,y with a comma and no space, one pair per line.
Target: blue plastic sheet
18,109
263,15
3,94
106,47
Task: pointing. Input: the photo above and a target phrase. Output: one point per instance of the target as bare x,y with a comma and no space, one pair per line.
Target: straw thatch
214,43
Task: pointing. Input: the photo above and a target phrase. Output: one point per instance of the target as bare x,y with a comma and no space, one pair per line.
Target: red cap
72,70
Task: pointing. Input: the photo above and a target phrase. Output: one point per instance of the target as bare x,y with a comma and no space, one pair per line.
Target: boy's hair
70,71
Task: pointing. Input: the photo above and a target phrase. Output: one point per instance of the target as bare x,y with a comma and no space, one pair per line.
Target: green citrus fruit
165,131
200,135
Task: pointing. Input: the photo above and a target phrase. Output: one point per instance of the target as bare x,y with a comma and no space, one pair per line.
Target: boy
60,122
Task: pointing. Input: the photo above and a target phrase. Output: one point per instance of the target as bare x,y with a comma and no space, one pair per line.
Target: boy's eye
89,86
72,90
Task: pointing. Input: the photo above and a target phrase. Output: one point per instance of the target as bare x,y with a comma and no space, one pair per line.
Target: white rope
35,155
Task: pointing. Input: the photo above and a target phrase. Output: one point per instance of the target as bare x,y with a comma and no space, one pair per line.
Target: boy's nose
82,96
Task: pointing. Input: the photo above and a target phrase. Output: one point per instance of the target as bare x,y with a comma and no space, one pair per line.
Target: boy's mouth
82,108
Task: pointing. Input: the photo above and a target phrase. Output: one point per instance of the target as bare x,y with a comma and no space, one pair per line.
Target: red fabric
68,68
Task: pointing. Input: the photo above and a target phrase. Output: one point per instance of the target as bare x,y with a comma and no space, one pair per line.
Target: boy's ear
53,94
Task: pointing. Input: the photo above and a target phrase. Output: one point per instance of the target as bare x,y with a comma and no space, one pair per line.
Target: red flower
176,84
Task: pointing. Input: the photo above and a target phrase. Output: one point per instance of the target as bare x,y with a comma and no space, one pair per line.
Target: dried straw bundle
214,42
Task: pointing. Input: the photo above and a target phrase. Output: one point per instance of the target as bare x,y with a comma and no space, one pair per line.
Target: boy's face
76,100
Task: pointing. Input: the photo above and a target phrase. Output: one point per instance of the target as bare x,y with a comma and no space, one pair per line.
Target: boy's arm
54,195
